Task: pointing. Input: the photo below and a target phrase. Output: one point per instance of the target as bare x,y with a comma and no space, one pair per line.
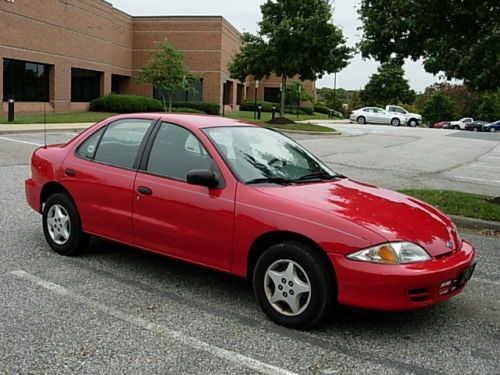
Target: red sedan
249,201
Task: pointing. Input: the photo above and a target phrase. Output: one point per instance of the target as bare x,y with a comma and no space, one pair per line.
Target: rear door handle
69,172
144,190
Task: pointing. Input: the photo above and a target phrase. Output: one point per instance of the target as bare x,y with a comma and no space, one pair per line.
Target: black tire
456,127
413,123
323,290
395,121
77,241
361,120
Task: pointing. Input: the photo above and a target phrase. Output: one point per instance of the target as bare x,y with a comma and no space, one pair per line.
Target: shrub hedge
322,109
131,103
249,105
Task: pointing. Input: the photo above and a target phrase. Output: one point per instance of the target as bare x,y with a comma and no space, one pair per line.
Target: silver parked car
374,115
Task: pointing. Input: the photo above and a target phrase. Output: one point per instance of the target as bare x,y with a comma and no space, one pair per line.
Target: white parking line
476,179
19,141
228,355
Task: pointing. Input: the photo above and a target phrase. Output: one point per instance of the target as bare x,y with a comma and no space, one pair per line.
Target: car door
100,177
170,216
378,116
369,114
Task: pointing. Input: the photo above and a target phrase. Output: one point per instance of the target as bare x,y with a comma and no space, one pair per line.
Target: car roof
188,120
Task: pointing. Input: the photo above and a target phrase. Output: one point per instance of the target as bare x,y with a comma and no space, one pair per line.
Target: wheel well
50,189
269,239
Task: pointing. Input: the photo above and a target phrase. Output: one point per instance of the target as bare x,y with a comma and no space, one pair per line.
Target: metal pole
335,89
11,110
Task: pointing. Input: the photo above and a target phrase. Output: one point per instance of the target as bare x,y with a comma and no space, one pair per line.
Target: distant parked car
460,124
442,125
374,115
493,127
476,126
412,119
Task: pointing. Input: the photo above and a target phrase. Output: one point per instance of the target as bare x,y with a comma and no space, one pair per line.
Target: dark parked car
493,127
476,126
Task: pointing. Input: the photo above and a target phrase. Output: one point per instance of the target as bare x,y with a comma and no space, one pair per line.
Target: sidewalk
37,128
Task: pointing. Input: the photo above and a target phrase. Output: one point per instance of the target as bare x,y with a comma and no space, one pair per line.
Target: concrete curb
470,223
7,132
305,132
39,128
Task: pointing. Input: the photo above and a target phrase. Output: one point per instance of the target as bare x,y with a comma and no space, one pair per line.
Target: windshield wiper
320,175
270,180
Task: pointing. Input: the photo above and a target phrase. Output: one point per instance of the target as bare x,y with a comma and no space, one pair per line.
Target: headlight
392,253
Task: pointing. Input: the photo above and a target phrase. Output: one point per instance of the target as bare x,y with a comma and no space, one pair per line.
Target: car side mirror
202,177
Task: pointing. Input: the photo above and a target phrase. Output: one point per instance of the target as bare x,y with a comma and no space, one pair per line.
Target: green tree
296,94
489,109
388,86
438,107
355,102
295,37
459,38
166,72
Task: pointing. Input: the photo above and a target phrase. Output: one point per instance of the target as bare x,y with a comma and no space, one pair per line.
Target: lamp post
298,101
255,100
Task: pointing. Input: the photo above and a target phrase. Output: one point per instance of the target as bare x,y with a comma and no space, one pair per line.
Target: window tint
87,149
175,152
121,141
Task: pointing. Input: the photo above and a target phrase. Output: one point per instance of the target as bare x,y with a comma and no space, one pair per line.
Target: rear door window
121,142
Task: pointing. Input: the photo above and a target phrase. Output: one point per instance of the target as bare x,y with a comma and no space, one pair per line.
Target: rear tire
456,127
294,286
361,120
395,122
62,226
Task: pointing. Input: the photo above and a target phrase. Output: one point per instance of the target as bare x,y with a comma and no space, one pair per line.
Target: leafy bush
187,110
131,103
322,109
125,104
249,105
209,108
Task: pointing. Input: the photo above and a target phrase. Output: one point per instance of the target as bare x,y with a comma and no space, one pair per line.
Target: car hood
393,216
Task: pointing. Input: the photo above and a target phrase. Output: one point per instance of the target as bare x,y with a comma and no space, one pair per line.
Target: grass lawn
248,116
457,203
59,118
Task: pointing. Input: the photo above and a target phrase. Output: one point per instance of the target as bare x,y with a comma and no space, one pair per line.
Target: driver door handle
144,190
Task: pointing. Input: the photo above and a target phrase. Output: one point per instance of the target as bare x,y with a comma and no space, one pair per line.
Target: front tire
294,286
413,123
493,130
62,226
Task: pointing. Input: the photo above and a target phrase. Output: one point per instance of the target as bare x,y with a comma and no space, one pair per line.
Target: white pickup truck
460,124
412,119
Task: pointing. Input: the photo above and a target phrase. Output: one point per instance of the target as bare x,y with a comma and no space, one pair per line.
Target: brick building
60,54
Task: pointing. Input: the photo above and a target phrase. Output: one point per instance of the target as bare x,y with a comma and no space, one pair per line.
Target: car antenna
44,125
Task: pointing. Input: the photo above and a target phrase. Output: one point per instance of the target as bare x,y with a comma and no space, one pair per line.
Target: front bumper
401,287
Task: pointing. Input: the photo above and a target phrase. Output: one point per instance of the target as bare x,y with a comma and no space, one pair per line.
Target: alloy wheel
287,287
58,224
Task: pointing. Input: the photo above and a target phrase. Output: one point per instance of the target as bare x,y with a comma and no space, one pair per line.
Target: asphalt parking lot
119,310
401,157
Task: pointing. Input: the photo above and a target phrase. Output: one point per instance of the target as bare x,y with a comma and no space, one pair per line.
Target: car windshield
257,155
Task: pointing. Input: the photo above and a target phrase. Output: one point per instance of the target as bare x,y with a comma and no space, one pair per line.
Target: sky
245,15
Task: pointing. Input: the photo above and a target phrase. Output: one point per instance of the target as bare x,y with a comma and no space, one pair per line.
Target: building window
272,94
85,85
25,81
195,94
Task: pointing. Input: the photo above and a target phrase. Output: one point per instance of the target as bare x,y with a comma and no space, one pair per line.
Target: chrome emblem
450,244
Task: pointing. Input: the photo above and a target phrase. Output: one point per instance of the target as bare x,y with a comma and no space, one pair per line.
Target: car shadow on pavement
216,292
